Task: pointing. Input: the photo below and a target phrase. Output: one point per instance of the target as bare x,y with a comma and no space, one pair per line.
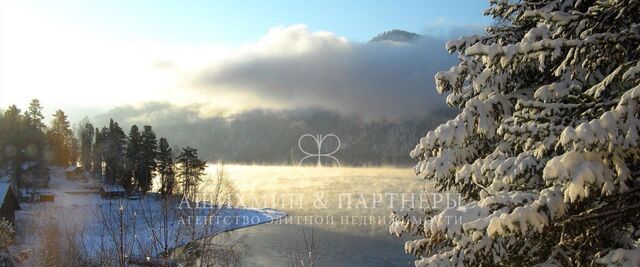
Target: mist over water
347,209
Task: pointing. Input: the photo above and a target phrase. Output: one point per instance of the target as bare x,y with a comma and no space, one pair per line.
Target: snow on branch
545,148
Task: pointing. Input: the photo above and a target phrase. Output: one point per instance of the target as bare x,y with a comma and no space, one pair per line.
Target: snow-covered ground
146,226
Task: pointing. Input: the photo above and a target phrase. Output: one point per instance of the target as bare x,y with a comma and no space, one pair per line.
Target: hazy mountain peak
396,35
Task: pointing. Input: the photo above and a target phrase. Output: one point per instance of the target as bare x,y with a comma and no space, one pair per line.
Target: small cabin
112,191
9,203
74,172
47,197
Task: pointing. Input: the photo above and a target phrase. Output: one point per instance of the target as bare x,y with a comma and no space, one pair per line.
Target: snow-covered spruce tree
545,149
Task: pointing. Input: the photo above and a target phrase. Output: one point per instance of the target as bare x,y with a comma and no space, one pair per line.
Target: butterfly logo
318,140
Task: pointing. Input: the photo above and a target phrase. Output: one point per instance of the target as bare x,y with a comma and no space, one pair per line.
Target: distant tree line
271,136
28,147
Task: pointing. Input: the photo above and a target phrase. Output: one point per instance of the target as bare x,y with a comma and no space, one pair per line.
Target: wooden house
74,172
9,203
112,191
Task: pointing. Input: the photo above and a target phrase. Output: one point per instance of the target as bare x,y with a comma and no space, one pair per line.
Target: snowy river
346,209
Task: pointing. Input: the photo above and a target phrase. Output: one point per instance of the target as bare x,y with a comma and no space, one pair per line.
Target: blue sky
241,21
225,57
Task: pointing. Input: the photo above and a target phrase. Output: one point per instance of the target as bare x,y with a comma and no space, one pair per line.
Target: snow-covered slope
149,225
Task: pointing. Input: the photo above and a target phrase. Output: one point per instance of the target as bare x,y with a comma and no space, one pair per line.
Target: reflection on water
346,208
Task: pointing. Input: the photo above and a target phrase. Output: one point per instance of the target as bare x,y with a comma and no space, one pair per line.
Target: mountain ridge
397,35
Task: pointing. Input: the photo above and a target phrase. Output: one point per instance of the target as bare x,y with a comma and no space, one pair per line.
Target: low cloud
154,113
446,29
296,68
288,68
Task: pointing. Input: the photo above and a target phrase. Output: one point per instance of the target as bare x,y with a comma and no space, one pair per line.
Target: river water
345,209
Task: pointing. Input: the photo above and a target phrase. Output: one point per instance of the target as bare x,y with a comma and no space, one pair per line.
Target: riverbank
104,229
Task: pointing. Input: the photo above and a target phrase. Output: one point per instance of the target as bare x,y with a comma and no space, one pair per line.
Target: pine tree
97,153
61,139
134,158
190,170
74,150
34,116
34,133
35,155
86,134
149,150
12,142
114,155
23,144
166,168
545,148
